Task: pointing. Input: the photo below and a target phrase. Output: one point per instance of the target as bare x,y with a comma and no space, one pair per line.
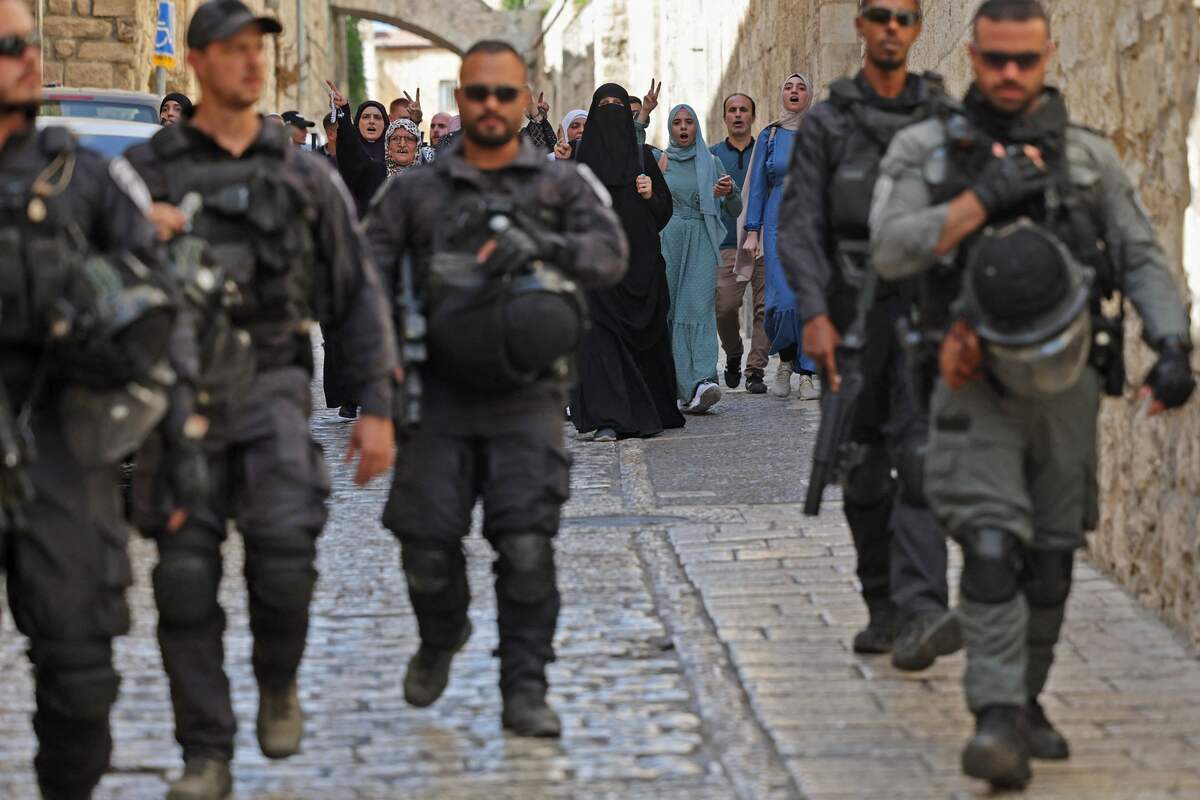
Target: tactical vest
501,332
39,242
853,182
258,221
1073,210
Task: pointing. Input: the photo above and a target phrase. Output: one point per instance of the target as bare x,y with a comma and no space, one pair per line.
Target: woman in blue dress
764,193
701,192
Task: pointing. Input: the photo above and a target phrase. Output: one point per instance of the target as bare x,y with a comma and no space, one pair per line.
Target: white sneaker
810,387
707,396
782,387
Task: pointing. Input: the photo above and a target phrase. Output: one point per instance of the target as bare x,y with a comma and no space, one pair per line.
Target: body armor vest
258,223
500,332
853,182
1072,210
39,243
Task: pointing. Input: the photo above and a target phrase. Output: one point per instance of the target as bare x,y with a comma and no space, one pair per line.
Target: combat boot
526,713
203,779
1045,742
923,637
877,637
998,752
280,720
429,671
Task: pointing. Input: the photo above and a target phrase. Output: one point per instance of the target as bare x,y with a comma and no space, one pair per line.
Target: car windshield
97,108
108,145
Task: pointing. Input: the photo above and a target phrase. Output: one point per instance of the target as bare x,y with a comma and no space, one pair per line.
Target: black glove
516,247
1171,379
1009,181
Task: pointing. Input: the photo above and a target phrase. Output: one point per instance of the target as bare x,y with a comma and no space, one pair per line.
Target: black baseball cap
294,118
218,20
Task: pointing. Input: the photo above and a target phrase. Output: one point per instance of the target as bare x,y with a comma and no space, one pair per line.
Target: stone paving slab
781,591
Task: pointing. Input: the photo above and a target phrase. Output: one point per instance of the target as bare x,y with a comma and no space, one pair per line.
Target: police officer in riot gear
823,242
1020,208
74,246
281,231
497,239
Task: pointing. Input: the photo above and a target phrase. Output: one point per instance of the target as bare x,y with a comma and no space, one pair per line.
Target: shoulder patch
128,181
936,167
591,180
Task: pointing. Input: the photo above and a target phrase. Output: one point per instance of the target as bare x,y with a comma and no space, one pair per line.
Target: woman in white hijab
764,193
569,134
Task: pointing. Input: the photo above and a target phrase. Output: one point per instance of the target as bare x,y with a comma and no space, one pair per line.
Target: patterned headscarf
425,153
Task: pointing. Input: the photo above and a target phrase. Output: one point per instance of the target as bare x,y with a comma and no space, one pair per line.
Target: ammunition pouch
1108,352
226,356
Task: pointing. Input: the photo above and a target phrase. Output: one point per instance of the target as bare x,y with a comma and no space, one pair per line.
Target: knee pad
185,586
429,569
525,569
76,680
991,566
283,583
1048,577
910,468
869,482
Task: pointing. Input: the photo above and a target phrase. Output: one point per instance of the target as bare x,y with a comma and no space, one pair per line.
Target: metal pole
41,13
301,41
160,80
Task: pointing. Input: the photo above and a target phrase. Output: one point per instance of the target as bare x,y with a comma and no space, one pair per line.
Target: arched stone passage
452,25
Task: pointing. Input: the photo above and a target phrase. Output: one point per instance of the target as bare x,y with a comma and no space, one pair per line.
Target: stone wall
106,44
1129,69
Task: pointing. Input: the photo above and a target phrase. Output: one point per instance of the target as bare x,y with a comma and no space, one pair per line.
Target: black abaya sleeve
660,203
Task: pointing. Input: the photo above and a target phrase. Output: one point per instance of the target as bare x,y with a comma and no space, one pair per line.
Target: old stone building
109,43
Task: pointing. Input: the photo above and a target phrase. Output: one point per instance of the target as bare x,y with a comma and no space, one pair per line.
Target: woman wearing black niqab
626,372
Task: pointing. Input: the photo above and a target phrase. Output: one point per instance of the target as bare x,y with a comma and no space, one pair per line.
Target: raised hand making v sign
649,102
414,107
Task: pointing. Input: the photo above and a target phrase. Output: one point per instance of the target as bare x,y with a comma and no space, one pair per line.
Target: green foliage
514,5
356,88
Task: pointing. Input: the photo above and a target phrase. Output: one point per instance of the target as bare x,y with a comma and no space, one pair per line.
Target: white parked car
99,104
110,137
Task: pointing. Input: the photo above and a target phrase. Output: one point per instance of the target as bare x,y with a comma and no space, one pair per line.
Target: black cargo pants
67,577
901,549
268,476
517,463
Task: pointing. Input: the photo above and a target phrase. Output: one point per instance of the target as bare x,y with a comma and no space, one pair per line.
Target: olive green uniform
1019,465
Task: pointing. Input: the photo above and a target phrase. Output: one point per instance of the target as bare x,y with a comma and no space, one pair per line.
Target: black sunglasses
15,46
997,61
479,93
883,16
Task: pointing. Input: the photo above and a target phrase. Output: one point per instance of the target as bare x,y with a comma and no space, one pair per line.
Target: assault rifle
835,454
16,453
414,350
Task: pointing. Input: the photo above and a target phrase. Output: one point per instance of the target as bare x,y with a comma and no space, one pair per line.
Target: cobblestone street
703,653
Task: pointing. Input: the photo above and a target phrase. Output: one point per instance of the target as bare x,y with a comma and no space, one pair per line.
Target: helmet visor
1046,368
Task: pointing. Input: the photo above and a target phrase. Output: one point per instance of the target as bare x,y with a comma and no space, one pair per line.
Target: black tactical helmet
1027,296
